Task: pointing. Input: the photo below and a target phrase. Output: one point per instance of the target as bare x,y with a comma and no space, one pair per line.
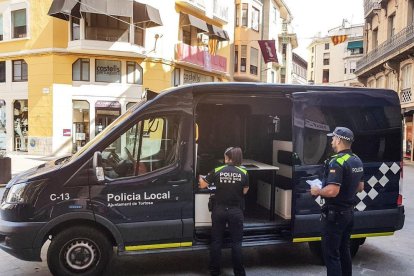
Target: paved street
378,256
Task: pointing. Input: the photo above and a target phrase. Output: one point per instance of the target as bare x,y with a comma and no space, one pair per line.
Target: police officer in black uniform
231,182
343,178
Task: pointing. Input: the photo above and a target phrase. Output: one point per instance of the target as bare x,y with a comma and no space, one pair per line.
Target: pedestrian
231,182
342,180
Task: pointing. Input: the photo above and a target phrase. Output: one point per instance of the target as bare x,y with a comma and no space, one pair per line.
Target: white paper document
315,183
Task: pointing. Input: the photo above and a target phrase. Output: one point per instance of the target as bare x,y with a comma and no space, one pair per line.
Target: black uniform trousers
336,234
233,216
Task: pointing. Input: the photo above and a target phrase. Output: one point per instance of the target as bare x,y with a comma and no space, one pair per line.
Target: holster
211,202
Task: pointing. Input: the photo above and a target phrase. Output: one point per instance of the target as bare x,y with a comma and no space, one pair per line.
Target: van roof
224,87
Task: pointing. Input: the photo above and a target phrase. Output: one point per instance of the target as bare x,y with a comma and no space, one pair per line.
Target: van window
148,145
376,129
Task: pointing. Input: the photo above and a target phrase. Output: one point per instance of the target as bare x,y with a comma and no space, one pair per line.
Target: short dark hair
235,155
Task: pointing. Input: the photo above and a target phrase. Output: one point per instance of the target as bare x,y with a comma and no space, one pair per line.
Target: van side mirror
97,167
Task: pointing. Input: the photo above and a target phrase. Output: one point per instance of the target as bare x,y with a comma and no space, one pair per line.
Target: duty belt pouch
211,202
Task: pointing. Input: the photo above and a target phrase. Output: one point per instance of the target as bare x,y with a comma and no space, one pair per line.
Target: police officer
231,182
343,178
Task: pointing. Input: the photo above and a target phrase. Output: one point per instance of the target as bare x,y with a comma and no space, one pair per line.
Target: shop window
75,28
134,73
1,27
2,71
19,70
19,27
21,128
105,113
81,124
149,145
253,60
108,71
3,133
80,70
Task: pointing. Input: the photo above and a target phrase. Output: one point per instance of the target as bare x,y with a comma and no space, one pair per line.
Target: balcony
371,7
200,58
388,49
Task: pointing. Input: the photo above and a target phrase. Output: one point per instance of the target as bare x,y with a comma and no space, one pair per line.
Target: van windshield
124,117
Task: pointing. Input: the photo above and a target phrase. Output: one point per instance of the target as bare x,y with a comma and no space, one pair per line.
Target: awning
64,9
146,15
109,7
143,15
218,33
355,45
189,20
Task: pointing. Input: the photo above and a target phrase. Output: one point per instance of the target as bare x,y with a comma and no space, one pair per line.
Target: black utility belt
337,210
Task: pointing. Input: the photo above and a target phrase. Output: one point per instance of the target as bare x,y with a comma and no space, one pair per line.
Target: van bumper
17,239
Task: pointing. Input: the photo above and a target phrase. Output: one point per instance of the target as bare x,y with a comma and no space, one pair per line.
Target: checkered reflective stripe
373,184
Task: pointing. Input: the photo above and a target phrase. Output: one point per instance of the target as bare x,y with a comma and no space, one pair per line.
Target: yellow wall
157,75
44,31
44,71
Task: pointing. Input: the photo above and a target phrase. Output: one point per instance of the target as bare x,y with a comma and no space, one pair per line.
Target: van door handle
176,183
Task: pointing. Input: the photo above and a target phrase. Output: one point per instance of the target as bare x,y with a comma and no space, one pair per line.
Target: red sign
67,132
268,48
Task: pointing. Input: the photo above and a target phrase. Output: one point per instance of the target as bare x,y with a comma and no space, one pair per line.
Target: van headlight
15,194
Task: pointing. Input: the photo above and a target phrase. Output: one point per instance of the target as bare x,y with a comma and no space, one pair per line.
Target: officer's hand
315,191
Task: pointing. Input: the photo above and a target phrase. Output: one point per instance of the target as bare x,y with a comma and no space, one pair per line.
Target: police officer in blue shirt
231,182
343,179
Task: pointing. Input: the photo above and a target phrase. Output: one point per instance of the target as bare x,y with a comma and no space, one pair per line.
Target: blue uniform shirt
346,170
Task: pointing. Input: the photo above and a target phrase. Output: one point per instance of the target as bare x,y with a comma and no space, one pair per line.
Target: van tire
354,245
78,251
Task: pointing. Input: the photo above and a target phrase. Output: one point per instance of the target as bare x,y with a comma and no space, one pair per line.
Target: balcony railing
405,96
106,34
370,6
198,55
396,43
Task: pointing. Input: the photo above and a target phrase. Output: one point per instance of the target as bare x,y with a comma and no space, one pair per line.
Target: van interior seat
282,158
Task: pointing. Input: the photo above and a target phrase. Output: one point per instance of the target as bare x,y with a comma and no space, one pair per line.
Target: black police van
134,186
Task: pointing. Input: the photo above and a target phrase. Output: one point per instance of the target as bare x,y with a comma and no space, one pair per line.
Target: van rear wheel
79,251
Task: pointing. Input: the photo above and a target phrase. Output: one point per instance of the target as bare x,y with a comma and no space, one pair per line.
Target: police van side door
375,118
147,191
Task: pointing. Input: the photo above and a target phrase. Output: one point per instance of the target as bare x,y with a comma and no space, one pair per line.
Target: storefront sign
192,77
67,132
108,71
107,104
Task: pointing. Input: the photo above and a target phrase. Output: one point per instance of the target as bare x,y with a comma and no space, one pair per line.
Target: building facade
389,55
67,75
331,64
70,68
299,70
262,20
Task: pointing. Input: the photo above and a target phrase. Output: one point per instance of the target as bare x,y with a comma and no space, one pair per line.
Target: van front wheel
79,251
